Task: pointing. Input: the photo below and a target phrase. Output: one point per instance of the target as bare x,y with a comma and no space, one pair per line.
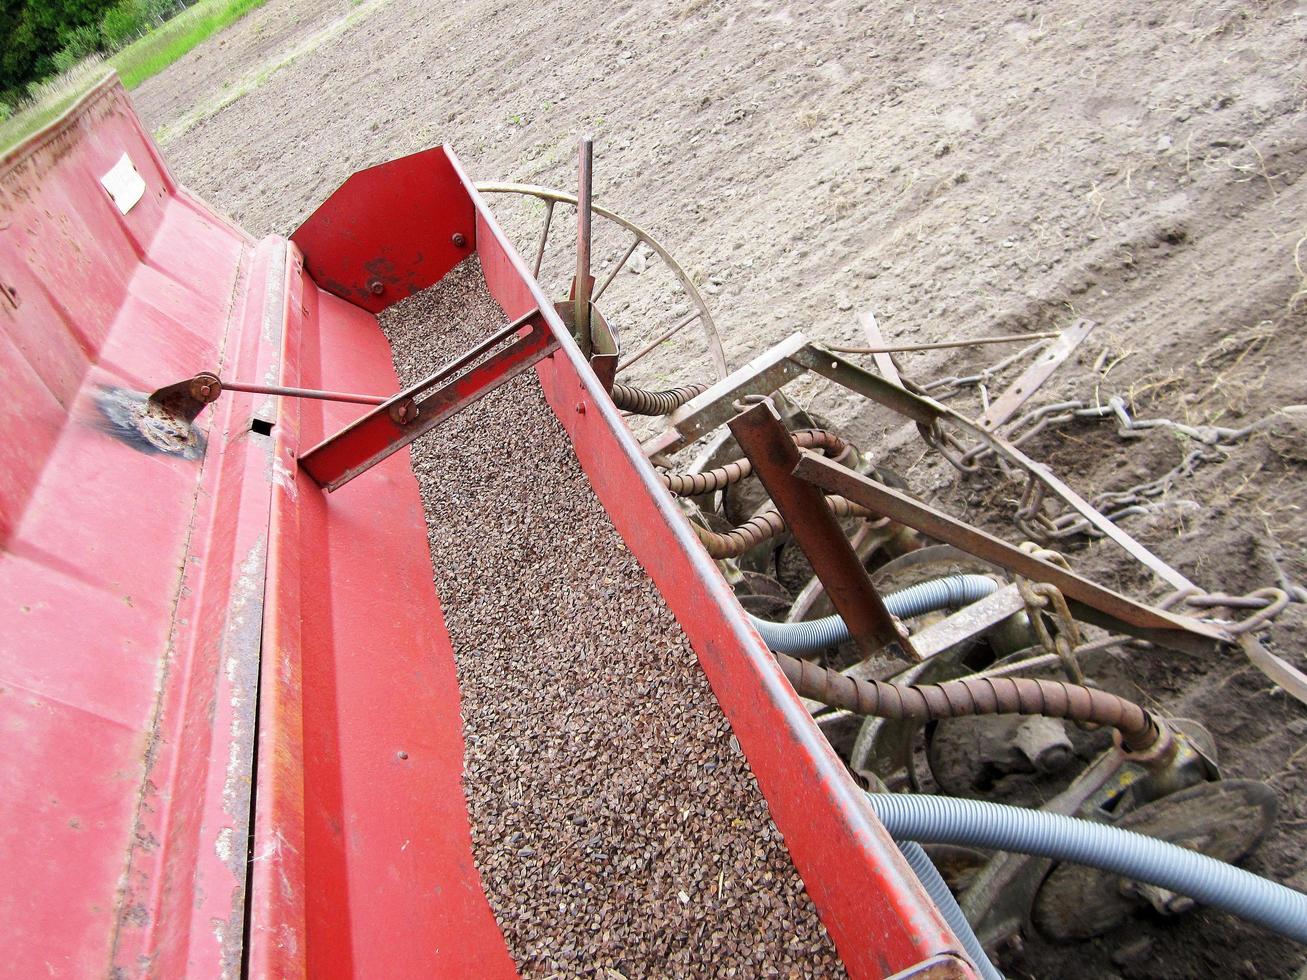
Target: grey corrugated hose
974,823
812,635
937,889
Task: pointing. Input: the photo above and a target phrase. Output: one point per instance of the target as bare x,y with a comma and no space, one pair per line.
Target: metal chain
1034,521
1032,517
1266,604
944,388
1043,598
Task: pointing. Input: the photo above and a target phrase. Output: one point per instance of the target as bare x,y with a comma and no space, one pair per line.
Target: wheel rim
699,308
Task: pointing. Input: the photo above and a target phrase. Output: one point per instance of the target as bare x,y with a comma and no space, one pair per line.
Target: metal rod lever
583,285
327,396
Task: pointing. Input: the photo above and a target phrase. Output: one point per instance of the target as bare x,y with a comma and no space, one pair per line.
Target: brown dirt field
959,169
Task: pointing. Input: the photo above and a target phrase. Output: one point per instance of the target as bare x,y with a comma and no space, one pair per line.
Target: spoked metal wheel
650,312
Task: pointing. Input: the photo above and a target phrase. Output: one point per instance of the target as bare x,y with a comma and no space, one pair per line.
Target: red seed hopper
229,702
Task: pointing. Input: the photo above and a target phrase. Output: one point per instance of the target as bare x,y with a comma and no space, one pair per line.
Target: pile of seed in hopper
615,824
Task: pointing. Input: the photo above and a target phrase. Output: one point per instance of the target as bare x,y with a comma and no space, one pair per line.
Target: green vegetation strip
141,59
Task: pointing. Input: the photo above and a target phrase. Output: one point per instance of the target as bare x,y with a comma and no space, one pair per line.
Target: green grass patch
161,47
143,58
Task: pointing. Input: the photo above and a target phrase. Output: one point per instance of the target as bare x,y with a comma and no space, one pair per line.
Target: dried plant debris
615,823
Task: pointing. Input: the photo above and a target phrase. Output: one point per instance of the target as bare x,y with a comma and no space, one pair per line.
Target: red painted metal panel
138,606
363,846
345,455
389,231
132,575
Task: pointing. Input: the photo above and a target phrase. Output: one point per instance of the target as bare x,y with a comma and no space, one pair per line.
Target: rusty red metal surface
170,587
774,453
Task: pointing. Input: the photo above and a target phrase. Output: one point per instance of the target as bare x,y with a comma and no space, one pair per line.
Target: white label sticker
124,184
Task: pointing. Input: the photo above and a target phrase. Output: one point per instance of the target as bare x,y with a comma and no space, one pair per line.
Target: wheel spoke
553,197
617,268
544,237
667,336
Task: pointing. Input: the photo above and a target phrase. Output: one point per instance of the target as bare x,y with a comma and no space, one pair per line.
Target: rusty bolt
205,387
376,286
402,754
460,240
580,408
402,413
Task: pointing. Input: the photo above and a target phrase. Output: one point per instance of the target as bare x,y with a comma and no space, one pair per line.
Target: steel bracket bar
768,372
771,371
764,439
360,446
604,342
1110,608
819,360
1005,406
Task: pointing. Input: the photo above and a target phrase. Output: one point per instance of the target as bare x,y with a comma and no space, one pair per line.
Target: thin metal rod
544,237
326,396
667,336
583,221
616,269
943,345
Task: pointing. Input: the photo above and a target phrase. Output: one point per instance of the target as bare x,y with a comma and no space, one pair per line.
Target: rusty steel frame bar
1126,615
1005,406
851,376
772,451
358,447
794,356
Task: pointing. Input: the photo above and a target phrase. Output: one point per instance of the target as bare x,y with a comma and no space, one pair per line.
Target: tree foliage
39,38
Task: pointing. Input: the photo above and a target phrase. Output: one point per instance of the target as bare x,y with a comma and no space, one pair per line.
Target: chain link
1045,599
1266,604
1033,517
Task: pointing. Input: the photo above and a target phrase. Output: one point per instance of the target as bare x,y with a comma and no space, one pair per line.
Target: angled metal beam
1100,605
390,427
820,360
769,446
1006,405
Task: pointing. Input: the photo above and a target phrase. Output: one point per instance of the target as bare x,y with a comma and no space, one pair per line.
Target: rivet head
460,240
580,408
376,286
402,754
